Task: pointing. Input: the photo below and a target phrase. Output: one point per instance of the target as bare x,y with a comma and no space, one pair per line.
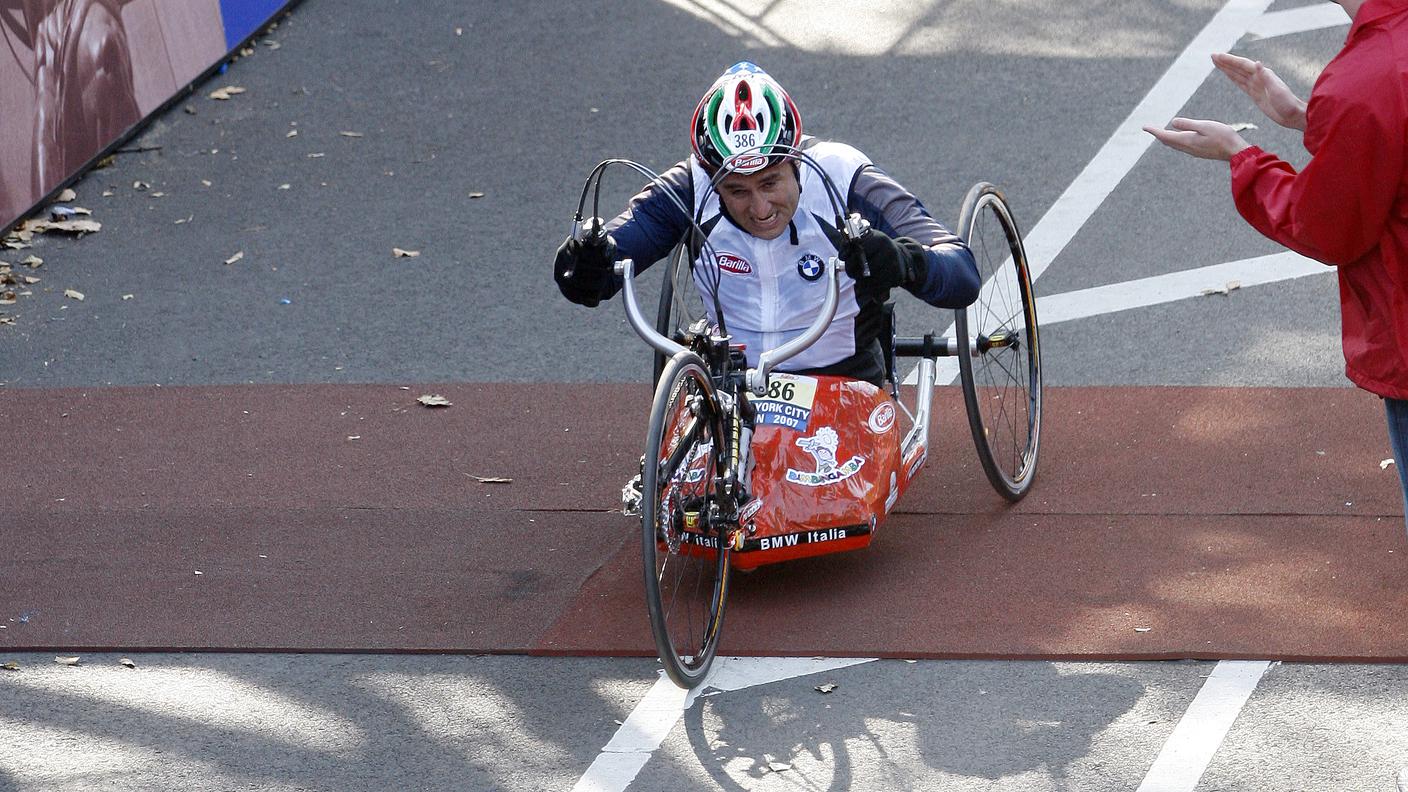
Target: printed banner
78,75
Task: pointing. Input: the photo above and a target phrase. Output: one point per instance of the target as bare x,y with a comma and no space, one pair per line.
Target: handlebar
755,378
626,271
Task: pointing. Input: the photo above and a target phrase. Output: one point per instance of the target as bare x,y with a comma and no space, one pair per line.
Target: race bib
788,401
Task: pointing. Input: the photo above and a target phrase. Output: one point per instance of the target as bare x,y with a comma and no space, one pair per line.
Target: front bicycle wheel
999,354
684,540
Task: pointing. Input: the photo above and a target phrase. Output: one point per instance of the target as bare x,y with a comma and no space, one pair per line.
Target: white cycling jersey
772,289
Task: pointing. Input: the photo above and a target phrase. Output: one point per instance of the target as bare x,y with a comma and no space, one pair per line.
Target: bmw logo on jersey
810,266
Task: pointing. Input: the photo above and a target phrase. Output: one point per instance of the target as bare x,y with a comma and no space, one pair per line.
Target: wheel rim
1006,375
686,572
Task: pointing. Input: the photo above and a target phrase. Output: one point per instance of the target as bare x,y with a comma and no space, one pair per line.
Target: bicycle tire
686,580
1002,389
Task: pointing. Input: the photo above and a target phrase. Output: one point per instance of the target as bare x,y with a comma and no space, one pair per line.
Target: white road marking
1199,733
1155,290
1175,286
621,760
1122,151
1299,20
1119,155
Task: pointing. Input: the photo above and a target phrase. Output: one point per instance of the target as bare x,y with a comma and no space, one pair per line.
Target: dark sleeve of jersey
652,224
950,276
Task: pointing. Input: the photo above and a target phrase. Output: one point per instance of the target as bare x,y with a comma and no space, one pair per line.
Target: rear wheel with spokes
684,545
999,353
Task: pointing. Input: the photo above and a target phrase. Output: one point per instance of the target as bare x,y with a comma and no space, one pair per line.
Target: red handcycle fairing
827,468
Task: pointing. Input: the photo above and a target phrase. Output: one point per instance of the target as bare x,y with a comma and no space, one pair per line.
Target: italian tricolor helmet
740,120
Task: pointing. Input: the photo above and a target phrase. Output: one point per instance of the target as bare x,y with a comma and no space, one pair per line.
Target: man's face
763,202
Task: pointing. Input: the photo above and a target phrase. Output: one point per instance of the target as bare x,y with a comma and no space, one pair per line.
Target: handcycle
724,482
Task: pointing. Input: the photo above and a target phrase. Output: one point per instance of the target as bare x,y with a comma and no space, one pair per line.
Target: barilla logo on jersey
882,418
738,265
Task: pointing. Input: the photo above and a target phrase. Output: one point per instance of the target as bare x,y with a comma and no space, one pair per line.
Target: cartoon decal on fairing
822,447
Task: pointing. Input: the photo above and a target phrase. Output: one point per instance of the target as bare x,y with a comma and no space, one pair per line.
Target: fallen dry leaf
10,666
234,258
73,294
7,320
826,688
33,262
126,296
127,661
316,155
66,195
490,479
434,401
68,661
350,134
291,133
73,226
1224,289
399,253
476,195
140,185
225,93
30,279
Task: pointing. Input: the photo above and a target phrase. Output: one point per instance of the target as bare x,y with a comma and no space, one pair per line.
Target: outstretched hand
1265,89
1206,139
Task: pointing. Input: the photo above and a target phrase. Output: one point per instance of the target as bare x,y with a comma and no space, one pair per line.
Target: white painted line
621,760
737,673
1200,731
1299,20
1155,290
1122,151
1174,286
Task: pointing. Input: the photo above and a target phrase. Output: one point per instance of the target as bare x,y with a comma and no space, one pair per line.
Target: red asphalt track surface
1230,522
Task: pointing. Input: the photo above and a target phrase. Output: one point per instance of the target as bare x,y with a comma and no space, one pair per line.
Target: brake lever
856,229
587,233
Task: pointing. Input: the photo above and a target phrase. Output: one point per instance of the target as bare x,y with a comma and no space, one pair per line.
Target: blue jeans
1397,410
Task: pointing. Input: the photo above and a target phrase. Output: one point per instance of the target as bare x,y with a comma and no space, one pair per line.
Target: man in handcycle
772,238
768,225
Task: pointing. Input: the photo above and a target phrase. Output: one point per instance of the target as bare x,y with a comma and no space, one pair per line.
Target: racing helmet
744,110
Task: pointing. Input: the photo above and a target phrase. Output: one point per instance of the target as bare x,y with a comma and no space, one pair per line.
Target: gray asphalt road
514,103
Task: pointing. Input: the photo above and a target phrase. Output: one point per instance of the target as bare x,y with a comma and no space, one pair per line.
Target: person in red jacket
1349,206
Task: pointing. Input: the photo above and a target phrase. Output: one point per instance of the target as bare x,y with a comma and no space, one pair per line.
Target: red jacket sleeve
1336,209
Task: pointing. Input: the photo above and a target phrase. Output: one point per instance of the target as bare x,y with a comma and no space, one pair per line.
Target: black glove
891,262
583,270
